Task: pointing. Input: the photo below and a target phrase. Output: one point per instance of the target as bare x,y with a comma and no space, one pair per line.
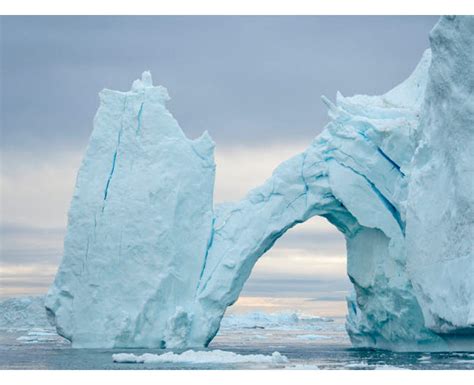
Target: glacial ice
312,337
282,320
440,207
26,316
149,262
139,226
23,314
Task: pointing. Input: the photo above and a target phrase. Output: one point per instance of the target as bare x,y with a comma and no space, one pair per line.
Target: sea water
307,342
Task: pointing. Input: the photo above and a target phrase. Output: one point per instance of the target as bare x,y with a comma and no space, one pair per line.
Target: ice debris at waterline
149,261
37,335
201,357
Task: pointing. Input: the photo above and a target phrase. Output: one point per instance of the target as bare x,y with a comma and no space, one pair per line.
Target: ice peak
145,82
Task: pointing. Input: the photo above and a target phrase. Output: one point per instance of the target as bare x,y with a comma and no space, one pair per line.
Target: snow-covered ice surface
245,341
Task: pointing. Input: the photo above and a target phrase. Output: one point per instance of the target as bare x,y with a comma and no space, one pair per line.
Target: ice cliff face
149,262
139,225
440,210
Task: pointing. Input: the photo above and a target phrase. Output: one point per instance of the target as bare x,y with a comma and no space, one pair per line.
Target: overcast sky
253,82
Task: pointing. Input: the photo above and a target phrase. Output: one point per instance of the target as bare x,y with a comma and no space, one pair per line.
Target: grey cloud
25,245
247,80
15,283
294,286
7,229
334,296
329,242
25,256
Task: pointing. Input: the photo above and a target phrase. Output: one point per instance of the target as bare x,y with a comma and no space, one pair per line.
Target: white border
236,7
237,377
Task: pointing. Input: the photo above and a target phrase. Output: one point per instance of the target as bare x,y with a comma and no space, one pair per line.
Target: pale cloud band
309,259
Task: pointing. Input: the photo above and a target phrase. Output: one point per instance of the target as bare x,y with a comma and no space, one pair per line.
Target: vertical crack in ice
114,159
209,245
111,173
306,188
305,184
86,257
139,118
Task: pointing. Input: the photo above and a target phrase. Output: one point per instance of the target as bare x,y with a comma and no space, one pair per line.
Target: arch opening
296,292
305,271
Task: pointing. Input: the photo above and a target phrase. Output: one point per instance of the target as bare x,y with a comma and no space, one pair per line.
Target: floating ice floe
302,367
365,365
201,357
388,367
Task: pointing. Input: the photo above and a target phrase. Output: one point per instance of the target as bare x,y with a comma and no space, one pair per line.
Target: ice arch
353,174
150,262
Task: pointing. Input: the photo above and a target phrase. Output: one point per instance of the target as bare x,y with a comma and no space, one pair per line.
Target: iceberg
354,174
25,316
312,337
139,226
276,321
149,261
23,313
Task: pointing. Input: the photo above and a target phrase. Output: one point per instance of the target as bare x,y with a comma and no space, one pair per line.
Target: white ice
201,357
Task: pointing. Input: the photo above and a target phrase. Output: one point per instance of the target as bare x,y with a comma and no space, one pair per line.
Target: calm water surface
323,346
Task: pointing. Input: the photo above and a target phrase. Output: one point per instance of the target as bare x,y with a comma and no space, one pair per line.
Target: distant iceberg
149,261
282,320
23,313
